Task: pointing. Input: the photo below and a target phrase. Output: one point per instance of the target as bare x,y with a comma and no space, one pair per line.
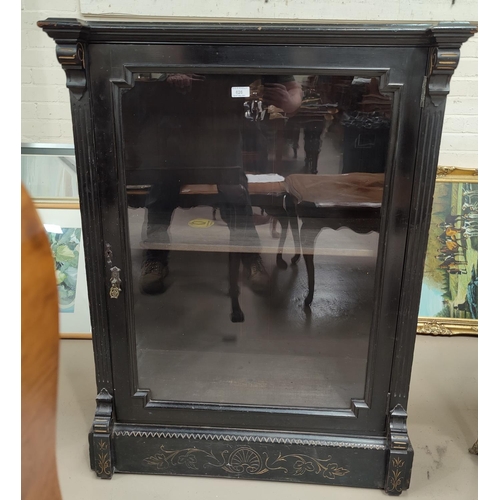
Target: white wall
45,110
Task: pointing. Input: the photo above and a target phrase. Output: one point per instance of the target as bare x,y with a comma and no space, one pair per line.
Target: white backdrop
373,10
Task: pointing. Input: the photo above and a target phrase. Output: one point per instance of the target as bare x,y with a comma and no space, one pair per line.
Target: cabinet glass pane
229,179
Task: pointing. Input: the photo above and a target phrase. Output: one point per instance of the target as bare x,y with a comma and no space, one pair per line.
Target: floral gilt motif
396,476
245,459
103,466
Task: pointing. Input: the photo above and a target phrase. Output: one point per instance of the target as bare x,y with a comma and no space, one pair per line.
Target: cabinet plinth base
307,458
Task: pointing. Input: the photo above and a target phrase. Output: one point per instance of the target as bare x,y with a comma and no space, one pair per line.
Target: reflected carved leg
312,145
293,220
237,315
293,135
274,232
284,229
294,226
309,260
308,234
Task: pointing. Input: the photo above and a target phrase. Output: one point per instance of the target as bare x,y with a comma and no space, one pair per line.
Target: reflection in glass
231,179
49,175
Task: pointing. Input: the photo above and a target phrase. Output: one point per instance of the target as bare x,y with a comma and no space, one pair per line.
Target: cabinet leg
398,473
101,453
400,453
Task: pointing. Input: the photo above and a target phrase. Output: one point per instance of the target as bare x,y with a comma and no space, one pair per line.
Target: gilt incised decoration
245,459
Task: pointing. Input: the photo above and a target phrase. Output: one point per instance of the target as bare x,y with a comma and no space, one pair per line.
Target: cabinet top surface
338,33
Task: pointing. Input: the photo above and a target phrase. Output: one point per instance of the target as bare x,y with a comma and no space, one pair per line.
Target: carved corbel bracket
448,38
70,36
101,453
400,453
444,61
72,59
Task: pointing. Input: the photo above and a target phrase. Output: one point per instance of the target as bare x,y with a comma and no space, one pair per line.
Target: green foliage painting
66,251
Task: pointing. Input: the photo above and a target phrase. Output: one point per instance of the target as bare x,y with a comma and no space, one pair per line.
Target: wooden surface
39,358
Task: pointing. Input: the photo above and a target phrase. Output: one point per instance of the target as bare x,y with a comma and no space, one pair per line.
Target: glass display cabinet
255,204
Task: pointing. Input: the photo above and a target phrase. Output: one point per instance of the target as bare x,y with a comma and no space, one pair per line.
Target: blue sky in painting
431,301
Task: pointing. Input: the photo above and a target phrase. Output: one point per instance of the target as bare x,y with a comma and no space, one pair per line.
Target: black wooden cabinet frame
366,445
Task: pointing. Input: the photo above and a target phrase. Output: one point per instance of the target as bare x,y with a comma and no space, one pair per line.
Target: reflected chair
195,187
345,200
270,196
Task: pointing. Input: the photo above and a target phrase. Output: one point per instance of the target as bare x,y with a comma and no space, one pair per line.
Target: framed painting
64,231
449,297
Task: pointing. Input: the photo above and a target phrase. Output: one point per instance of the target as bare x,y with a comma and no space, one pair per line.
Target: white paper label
240,91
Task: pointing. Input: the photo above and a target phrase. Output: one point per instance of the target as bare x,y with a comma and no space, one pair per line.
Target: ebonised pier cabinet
207,155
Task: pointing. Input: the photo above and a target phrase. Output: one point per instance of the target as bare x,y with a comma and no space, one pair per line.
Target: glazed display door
255,214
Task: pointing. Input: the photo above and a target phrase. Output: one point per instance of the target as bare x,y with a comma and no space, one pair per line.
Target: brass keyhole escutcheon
115,289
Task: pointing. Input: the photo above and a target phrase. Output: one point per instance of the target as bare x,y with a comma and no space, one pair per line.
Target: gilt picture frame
449,297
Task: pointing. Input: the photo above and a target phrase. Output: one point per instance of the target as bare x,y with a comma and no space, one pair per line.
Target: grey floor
443,424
